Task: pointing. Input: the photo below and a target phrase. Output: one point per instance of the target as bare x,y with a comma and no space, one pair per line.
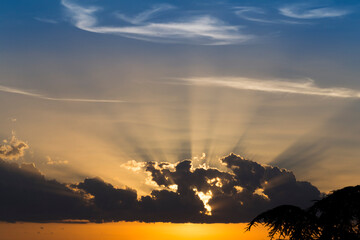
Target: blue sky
297,32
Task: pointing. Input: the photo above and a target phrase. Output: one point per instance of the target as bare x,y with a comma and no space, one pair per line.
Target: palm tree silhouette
335,217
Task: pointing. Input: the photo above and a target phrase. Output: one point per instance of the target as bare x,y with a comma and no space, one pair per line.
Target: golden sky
127,231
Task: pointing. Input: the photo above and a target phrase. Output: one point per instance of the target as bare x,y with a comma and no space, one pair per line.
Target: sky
179,111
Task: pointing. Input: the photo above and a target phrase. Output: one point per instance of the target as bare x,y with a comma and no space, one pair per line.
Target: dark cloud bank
237,195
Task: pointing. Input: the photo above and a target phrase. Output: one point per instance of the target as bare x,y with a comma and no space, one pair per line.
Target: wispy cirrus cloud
40,96
202,30
302,12
245,13
255,14
146,15
46,20
304,87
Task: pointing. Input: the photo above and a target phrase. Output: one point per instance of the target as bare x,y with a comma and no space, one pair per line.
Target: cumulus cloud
27,196
184,194
40,96
203,30
304,87
110,203
235,195
303,12
12,149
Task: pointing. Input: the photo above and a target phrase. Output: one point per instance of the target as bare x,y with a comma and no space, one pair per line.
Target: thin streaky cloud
247,12
304,87
146,15
243,12
202,30
46,20
299,12
40,96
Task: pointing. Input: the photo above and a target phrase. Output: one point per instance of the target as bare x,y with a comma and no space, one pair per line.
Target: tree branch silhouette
335,217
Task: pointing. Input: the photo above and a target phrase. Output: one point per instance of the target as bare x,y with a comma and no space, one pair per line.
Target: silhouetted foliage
287,220
335,217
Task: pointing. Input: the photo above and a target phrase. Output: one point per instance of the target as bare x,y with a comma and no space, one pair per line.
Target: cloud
255,14
51,161
13,149
40,96
46,20
133,165
245,12
184,194
27,196
146,15
202,30
227,196
305,87
301,12
112,204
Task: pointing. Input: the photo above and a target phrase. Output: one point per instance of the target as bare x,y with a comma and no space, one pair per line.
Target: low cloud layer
183,194
304,87
27,196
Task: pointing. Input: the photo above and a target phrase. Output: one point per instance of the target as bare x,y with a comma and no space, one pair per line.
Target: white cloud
244,11
146,15
296,11
40,96
305,87
255,14
203,30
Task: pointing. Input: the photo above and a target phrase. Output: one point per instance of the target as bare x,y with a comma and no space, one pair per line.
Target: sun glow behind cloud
180,121
205,198
204,118
288,122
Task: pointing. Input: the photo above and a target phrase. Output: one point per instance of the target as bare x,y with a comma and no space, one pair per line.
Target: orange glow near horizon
126,230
